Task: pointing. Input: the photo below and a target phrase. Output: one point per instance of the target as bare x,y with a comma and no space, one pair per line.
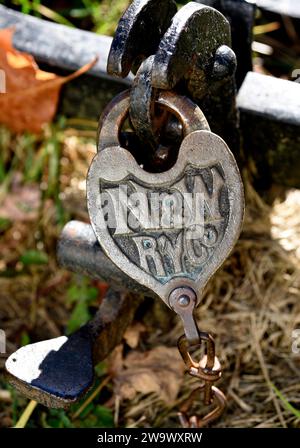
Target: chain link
208,370
183,301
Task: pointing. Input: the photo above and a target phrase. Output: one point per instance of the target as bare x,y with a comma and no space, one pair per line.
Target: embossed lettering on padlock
146,223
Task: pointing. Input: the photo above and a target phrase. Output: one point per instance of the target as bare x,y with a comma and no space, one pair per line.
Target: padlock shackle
188,113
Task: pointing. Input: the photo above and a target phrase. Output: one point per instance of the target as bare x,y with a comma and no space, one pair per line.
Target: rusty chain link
207,370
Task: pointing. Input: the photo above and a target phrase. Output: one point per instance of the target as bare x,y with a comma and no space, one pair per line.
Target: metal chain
207,370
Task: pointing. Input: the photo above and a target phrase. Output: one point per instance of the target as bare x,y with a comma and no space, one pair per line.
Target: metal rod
79,251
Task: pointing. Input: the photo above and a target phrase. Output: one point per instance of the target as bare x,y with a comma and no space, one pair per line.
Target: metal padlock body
163,257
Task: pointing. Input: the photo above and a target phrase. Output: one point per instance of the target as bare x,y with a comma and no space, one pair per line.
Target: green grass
39,9
82,295
34,156
288,406
92,414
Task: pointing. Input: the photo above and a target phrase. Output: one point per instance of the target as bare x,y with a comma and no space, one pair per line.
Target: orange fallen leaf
32,94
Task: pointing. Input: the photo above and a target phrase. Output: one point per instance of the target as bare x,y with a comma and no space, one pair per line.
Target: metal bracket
138,34
58,372
240,14
193,57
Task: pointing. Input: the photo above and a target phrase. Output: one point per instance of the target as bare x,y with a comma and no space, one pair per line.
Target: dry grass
251,305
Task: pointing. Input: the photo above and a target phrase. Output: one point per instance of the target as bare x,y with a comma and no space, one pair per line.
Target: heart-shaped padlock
170,229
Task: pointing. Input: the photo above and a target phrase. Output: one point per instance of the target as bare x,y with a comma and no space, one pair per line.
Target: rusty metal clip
208,369
218,398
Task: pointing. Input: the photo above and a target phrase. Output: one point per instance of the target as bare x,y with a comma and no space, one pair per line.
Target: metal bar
270,123
60,371
58,45
78,251
289,8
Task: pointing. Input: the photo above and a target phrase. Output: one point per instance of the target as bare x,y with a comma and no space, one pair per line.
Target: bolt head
184,300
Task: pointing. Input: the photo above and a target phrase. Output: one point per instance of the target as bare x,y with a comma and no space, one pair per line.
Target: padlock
171,229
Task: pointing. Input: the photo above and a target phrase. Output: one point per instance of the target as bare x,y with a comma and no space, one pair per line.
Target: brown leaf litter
157,371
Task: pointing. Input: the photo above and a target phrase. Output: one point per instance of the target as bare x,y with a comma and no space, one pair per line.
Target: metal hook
217,397
138,33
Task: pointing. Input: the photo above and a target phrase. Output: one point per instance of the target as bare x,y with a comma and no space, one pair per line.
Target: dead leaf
32,95
159,370
132,334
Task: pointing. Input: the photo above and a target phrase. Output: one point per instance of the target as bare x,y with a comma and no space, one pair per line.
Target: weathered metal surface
116,113
138,33
59,371
186,59
196,64
142,106
204,166
186,48
270,122
183,301
240,15
78,250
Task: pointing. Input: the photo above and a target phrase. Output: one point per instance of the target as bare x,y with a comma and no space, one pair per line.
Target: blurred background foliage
93,15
